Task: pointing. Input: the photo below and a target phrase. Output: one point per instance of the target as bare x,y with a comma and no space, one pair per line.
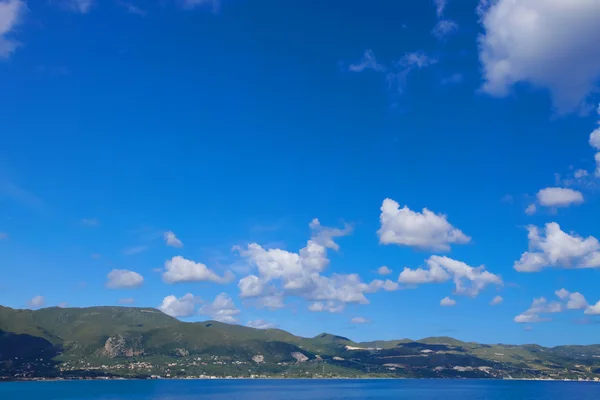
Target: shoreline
293,379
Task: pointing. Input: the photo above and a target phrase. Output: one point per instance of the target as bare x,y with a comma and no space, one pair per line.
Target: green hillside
144,342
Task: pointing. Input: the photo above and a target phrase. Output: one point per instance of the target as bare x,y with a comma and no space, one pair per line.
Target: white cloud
444,28
329,306
367,62
595,139
467,280
123,279
36,302
539,306
359,320
531,209
184,306
559,197
555,248
260,324
496,300
272,301
251,286
434,274
597,159
126,300
562,294
568,301
283,273
172,240
383,270
179,269
447,302
519,45
82,6
11,14
425,230
593,309
580,173
222,309
62,304
378,284
90,221
574,301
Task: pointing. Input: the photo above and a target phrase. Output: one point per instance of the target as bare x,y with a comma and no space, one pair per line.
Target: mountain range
126,342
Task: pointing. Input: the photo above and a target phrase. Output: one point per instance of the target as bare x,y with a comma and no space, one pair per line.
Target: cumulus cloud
574,301
329,306
378,284
425,230
538,307
271,301
123,279
36,302
359,320
580,173
179,269
531,209
554,248
251,286
11,14
469,281
447,302
595,143
184,306
367,62
222,309
519,45
496,300
559,197
286,273
593,309
172,240
383,270
260,324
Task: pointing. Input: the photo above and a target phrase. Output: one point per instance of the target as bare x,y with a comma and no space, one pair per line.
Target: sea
300,390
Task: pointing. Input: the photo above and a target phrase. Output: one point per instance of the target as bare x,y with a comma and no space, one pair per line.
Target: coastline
293,379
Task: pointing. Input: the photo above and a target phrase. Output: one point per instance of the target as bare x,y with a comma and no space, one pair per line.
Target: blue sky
176,154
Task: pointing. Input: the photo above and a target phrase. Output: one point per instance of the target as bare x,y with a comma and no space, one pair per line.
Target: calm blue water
300,390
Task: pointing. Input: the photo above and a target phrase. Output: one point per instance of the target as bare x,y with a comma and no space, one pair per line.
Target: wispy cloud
80,6
132,8
135,250
11,14
90,222
191,4
21,195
